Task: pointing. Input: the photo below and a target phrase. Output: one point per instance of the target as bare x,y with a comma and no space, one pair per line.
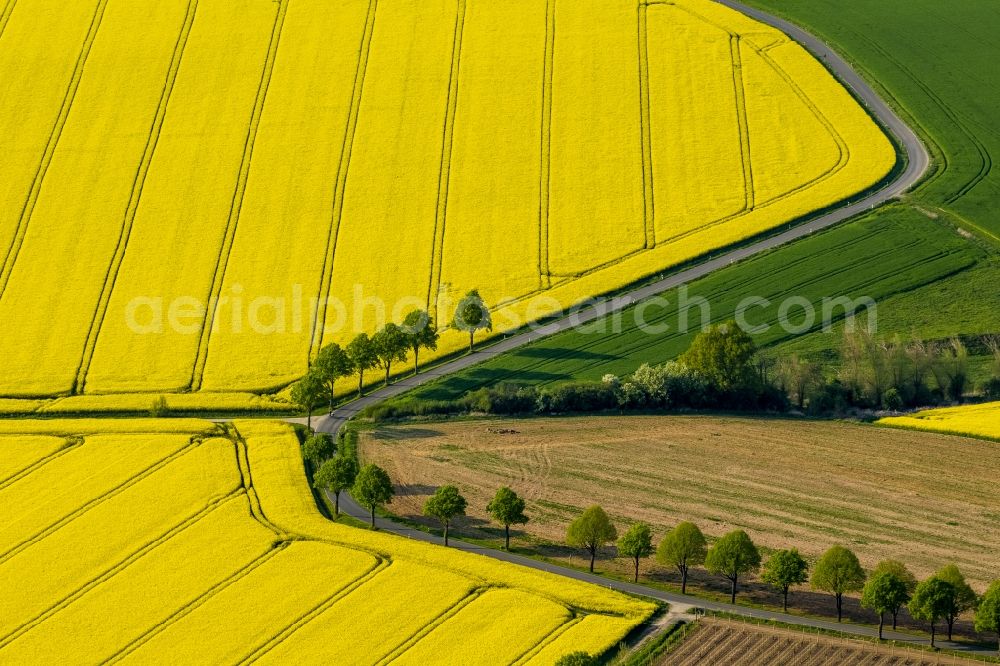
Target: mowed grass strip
788,482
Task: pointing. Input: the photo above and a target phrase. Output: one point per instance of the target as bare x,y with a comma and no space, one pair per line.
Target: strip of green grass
880,257
930,60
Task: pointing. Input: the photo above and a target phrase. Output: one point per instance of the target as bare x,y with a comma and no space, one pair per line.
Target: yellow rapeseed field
976,420
194,210
126,544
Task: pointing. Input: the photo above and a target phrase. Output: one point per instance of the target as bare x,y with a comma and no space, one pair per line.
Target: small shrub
159,408
577,659
991,389
576,397
892,400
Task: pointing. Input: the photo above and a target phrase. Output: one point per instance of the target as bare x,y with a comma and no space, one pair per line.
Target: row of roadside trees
889,588
391,344
372,488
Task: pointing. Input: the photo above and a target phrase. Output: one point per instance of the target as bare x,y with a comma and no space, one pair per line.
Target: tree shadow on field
455,386
562,353
802,600
409,490
403,433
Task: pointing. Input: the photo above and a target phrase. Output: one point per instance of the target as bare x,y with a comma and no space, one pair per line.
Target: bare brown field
927,499
732,643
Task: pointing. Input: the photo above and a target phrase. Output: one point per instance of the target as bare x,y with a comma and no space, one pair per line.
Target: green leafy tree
732,556
372,488
783,569
318,448
898,569
636,543
988,613
885,592
507,509
724,356
361,351
591,531
682,547
307,393
931,601
331,364
336,475
472,315
421,333
445,504
963,599
838,572
579,658
390,344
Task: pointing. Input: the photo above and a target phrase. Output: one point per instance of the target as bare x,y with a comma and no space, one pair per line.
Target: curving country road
679,603
917,160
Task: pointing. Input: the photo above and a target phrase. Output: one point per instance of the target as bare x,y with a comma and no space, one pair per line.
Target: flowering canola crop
194,210
976,420
127,544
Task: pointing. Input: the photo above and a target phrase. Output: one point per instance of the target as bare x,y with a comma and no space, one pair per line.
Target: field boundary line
545,147
444,168
197,602
739,89
97,501
431,625
842,147
237,203
645,131
138,182
114,570
340,181
986,160
14,249
69,443
317,610
552,636
597,341
8,9
246,479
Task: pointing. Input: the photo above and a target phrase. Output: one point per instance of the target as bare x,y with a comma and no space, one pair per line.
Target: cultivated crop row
214,526
194,196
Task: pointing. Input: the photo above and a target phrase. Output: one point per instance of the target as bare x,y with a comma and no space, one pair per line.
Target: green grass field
887,259
931,261
923,55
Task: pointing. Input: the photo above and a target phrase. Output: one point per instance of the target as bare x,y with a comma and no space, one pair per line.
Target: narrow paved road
351,508
917,161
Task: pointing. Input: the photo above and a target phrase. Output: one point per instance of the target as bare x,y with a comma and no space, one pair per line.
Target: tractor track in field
917,161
